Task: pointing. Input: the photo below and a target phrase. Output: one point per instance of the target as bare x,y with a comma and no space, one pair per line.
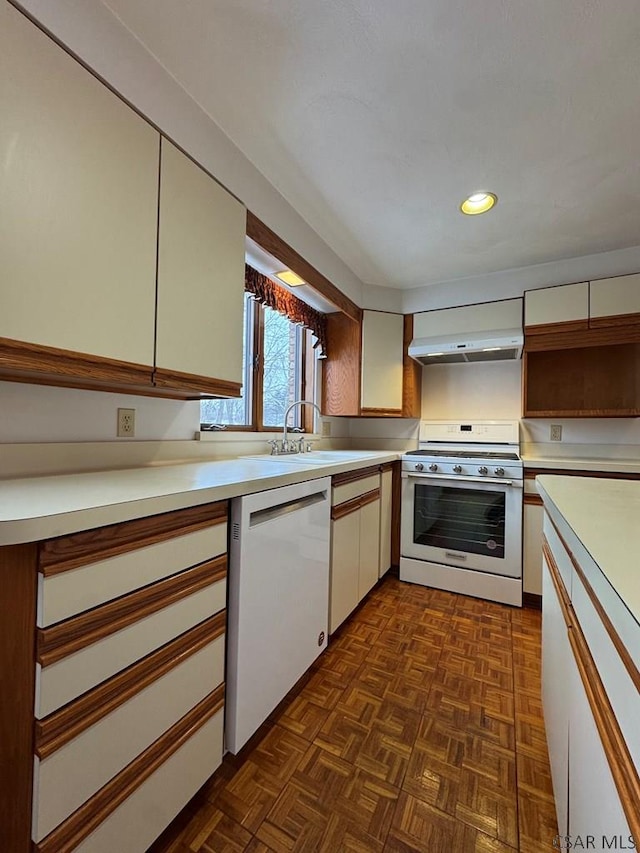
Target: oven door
469,522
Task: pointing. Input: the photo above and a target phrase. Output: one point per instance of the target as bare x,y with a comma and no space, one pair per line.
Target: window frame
303,416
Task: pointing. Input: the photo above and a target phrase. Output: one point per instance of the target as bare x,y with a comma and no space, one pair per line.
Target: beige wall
482,391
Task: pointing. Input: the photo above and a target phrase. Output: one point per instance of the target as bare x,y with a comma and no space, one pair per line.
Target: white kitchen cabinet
556,662
355,542
200,277
532,547
485,317
345,560
369,557
386,520
382,361
594,802
78,215
563,304
612,297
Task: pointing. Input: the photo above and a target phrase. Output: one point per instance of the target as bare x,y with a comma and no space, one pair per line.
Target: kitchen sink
316,457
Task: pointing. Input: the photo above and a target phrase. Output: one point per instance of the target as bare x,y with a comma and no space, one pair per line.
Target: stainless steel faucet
285,443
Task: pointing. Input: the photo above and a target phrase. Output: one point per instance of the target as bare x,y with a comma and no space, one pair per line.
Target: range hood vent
498,345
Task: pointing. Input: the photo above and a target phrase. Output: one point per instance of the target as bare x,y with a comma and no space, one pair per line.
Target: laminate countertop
600,520
36,508
598,458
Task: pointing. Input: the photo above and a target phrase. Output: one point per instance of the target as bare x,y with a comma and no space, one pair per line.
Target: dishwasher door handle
262,516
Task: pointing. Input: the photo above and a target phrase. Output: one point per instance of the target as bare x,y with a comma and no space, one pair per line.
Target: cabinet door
200,277
532,548
345,560
369,562
382,361
556,660
386,521
613,297
78,215
483,317
594,803
567,303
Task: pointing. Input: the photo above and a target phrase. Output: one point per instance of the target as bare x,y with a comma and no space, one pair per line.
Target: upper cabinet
367,371
88,248
615,301
582,349
568,304
381,388
200,280
78,217
484,317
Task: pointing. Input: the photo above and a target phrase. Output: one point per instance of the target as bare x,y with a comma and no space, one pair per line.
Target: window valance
274,296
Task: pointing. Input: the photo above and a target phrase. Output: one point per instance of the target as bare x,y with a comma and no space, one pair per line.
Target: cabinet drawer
78,654
65,779
348,491
560,554
617,678
129,812
70,592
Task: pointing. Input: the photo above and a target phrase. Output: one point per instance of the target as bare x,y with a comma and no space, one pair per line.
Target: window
276,371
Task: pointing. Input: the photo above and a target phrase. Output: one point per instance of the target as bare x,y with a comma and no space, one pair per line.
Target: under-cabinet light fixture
491,349
289,277
478,203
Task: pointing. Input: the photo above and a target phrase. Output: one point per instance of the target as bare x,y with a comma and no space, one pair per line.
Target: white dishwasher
278,599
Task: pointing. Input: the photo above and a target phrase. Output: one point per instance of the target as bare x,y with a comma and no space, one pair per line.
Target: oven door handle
489,480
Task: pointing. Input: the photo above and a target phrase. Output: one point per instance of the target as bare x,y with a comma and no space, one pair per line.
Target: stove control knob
433,467
499,472
419,466
483,469
457,469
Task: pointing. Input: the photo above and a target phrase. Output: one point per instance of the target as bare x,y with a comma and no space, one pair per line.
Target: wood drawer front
63,681
133,809
621,682
563,561
68,777
340,494
63,595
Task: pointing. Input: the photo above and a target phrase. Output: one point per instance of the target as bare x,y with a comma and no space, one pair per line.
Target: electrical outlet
126,423
326,428
555,432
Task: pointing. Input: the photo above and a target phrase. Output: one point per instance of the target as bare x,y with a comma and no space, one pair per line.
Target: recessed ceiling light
478,203
290,278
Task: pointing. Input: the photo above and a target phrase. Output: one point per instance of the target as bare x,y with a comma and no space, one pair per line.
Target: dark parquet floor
419,729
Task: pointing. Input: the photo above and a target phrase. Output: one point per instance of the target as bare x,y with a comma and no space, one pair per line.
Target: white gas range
461,527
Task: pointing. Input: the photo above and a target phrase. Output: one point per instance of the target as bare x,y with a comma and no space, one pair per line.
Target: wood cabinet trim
342,369
387,466
532,473
194,386
614,320
557,328
532,500
411,375
17,649
79,825
354,476
275,245
369,497
345,508
88,546
555,339
23,361
65,638
64,725
623,770
381,413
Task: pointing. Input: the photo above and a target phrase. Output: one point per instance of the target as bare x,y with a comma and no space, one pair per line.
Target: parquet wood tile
418,729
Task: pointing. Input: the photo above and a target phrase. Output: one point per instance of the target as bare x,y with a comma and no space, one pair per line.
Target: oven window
467,520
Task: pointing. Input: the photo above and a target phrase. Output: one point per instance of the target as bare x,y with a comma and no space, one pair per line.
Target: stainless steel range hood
498,345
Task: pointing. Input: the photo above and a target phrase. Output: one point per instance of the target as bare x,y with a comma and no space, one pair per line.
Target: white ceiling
374,119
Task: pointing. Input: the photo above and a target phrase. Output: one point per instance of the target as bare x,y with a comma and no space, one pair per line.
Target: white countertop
604,515
37,508
619,459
